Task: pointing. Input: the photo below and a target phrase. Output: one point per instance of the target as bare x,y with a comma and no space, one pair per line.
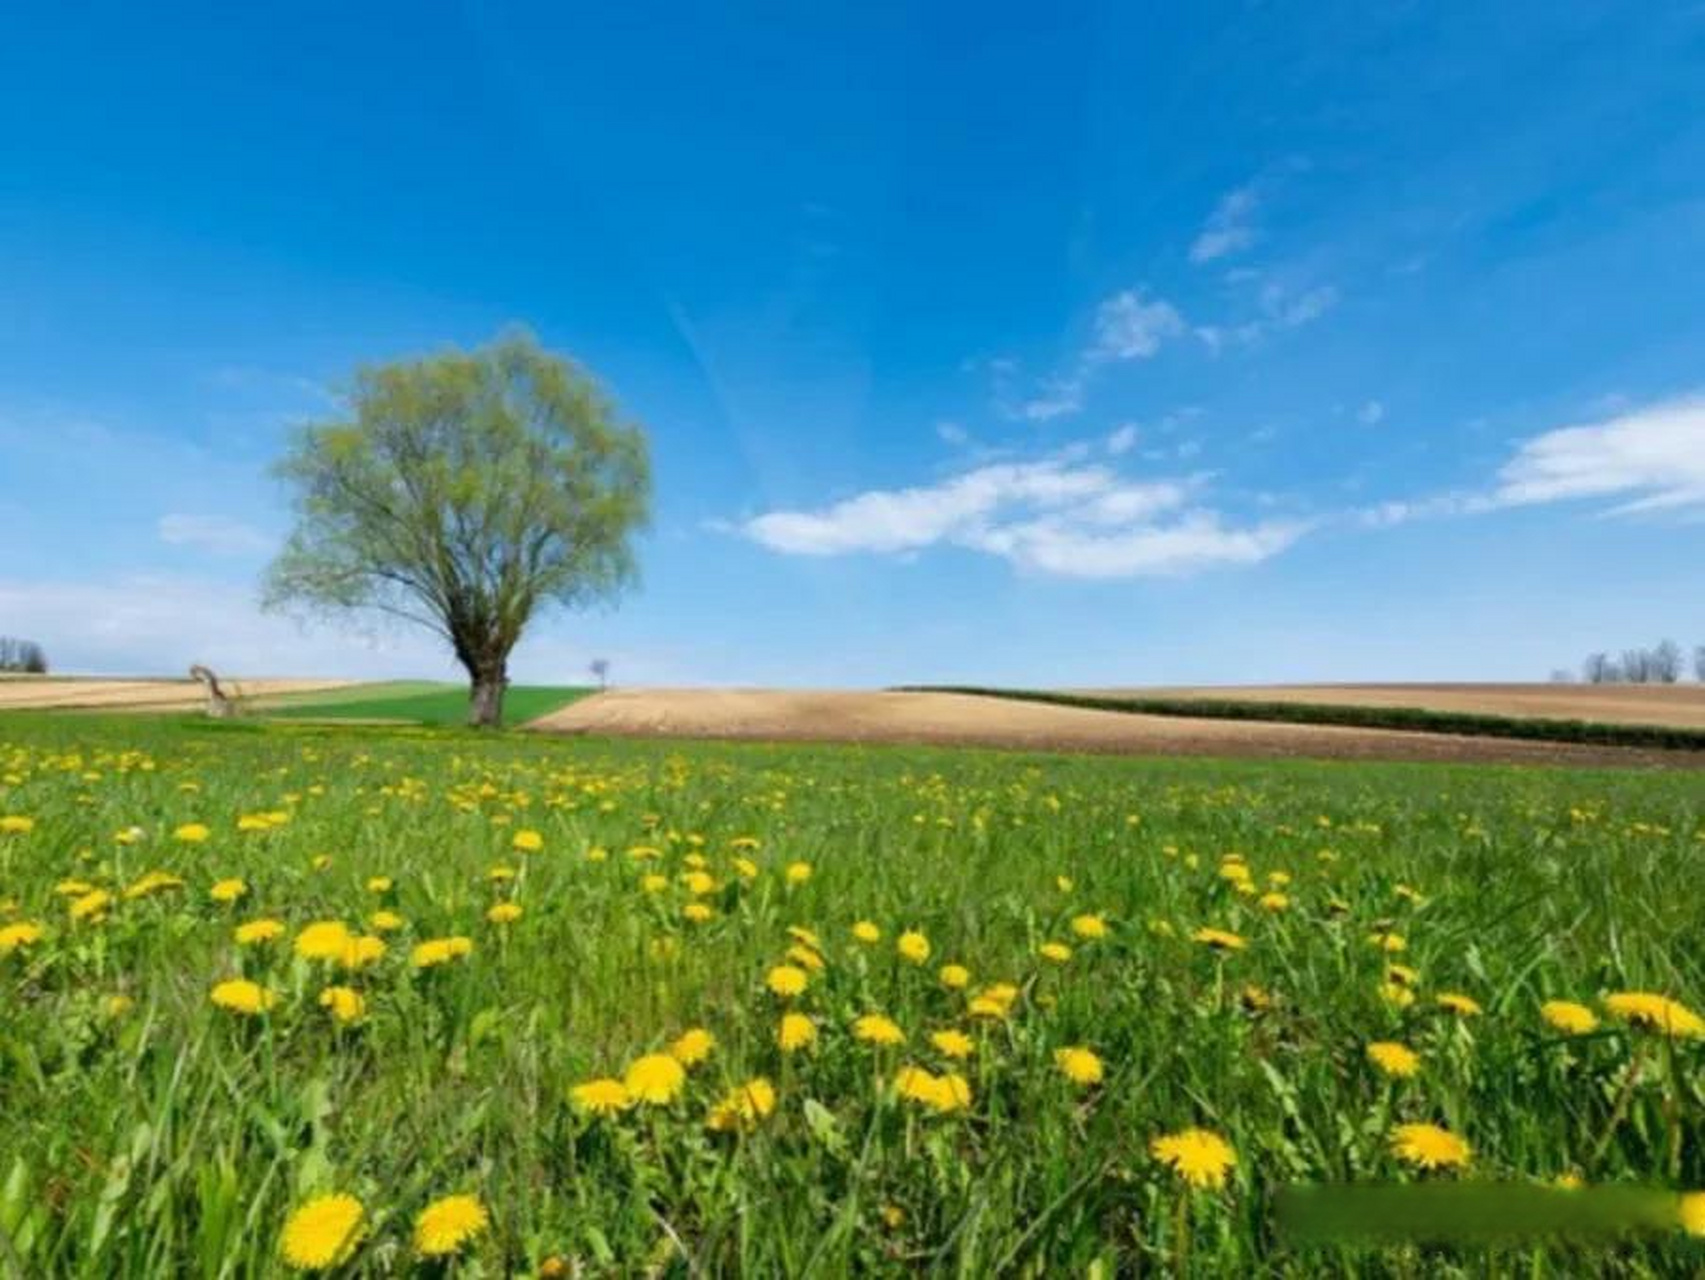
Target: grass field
1011,988
419,702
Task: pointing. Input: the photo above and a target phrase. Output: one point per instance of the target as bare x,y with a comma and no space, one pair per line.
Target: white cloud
1228,228
1067,520
1288,310
1056,399
952,433
1371,413
216,535
1653,457
1123,439
1129,326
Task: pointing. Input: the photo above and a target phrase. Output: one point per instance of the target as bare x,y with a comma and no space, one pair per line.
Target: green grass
1471,724
420,702
175,1138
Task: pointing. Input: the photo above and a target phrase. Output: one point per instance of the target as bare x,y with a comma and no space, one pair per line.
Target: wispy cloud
1653,458
1052,517
1129,325
1371,413
1229,228
216,535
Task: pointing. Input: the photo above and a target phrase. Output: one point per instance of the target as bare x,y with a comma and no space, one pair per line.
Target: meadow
375,1000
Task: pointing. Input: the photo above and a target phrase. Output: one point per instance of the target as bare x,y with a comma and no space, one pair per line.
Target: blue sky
1083,344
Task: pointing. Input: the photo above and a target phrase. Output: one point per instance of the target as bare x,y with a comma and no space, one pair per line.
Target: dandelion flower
16,824
952,1044
239,995
91,906
692,1047
1275,901
786,981
359,952
1396,995
1427,1146
440,951
227,890
23,934
1459,1004
697,913
1079,1065
323,1233
1199,1156
1054,952
346,1003
323,940
1090,927
1394,1059
1390,943
385,921
1690,1213
603,1097
743,1106
1401,974
795,1032
503,912
379,884
656,1079
1219,939
527,840
866,932
913,947
873,1028
955,977
805,937
1568,1017
1655,1013
805,957
798,872
251,932
445,1225
192,832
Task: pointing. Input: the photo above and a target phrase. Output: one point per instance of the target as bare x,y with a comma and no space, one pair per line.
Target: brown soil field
92,693
969,720
1681,705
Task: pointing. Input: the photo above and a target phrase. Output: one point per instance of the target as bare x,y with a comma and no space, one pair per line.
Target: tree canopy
465,492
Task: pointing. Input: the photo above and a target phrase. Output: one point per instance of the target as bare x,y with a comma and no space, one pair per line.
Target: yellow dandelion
16,824
805,957
323,1233
1427,1146
379,884
798,872
1655,1013
1568,1017
385,921
251,932
239,995
796,1031
697,913
1396,995
323,940
1199,1156
743,1107
440,951
91,906
503,912
865,931
786,981
952,1044
445,1225
359,952
1054,952
1459,1004
527,840
1690,1213
1394,1059
692,1046
1401,974
913,947
955,977
873,1028
17,936
1090,927
192,832
655,1079
345,1003
602,1097
1079,1065
1219,939
228,890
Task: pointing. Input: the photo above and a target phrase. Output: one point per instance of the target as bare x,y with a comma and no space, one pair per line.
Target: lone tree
465,492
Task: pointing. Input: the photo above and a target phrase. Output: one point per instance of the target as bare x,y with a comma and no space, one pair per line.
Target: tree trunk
485,700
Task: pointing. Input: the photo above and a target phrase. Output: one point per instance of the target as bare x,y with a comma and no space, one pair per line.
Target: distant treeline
22,655
1663,663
